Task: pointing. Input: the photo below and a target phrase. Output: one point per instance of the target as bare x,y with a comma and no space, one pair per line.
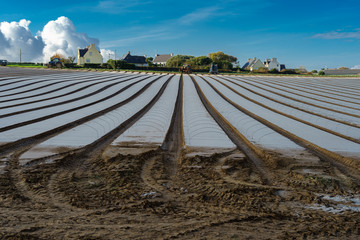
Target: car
3,62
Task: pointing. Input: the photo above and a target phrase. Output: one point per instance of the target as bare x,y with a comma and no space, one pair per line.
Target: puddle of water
338,204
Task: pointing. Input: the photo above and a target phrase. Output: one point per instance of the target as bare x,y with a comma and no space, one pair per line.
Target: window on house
88,60
90,53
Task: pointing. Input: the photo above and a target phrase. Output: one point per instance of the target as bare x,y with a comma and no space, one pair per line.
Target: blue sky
313,34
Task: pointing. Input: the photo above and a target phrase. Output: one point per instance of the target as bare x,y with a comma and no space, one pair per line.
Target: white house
253,64
272,64
89,55
161,59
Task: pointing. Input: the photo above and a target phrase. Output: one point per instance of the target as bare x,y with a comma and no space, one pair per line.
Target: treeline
223,61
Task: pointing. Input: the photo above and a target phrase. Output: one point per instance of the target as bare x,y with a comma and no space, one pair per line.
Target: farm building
274,64
253,64
139,61
89,55
161,59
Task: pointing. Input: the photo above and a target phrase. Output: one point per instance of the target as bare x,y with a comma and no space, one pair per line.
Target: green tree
71,59
224,61
225,65
111,63
178,60
220,56
202,61
149,61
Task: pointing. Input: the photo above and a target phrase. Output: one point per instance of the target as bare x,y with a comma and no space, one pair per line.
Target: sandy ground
136,196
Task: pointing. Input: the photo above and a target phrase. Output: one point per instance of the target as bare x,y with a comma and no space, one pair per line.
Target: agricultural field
116,155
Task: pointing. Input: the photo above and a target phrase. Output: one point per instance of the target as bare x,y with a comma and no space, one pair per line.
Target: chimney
129,52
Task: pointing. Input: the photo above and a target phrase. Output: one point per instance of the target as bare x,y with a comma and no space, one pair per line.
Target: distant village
91,55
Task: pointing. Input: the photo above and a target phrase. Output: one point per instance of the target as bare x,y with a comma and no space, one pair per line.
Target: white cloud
107,54
58,36
356,67
15,36
339,35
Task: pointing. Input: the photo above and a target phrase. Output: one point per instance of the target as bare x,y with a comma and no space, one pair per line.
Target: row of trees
224,61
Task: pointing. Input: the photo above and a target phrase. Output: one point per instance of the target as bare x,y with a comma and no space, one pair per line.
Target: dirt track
175,192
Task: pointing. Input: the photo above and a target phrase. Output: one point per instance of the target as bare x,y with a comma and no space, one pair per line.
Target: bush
288,71
119,64
274,70
321,73
92,65
70,65
124,65
261,70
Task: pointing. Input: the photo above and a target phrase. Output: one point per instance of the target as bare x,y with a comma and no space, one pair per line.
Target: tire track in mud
288,115
82,159
345,164
304,86
291,106
82,155
170,151
312,98
215,223
35,120
253,153
298,100
56,89
174,139
36,139
70,100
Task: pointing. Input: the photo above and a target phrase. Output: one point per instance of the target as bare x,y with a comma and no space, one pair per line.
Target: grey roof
162,58
83,52
133,59
249,63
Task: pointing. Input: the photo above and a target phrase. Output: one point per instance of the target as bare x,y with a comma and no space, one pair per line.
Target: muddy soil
216,196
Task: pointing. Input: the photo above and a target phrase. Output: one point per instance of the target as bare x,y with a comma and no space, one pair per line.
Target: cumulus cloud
58,36
356,67
107,54
15,36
